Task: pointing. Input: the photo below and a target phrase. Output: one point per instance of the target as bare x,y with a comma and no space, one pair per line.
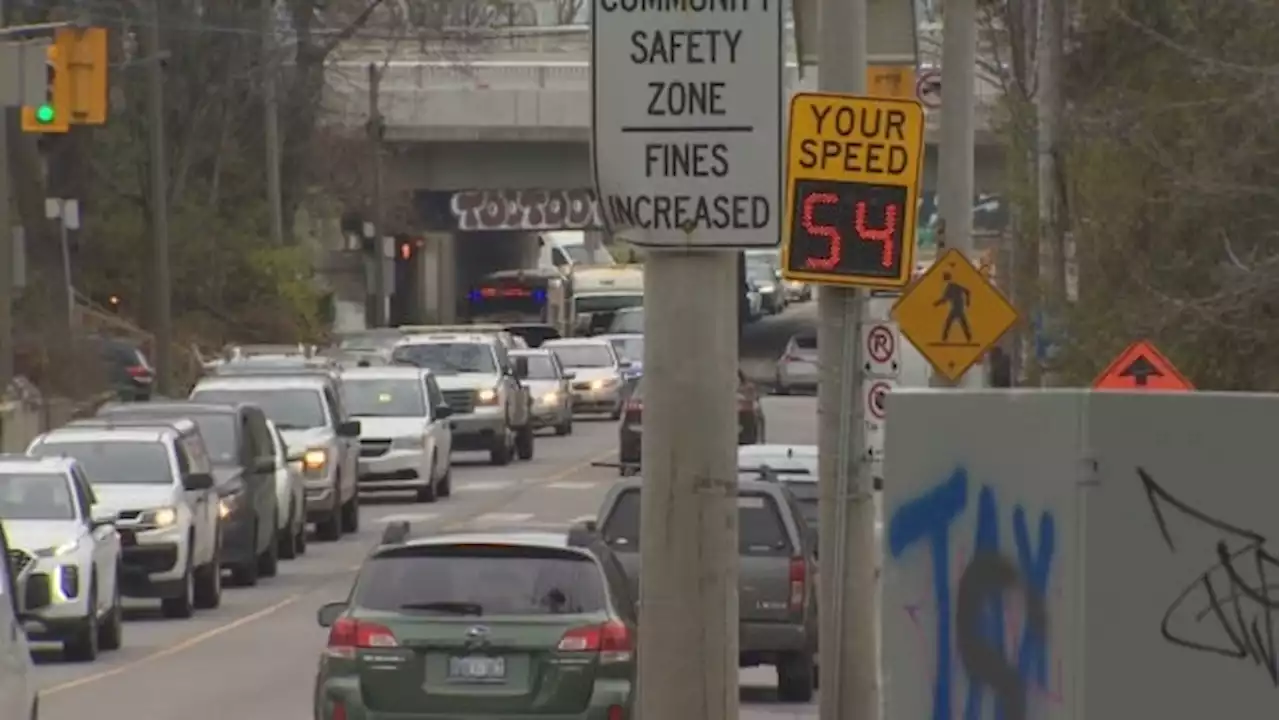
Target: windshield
384,398
630,321
629,348
583,356
540,367
579,254
219,433
606,303
116,462
289,409
806,495
448,358
482,580
36,496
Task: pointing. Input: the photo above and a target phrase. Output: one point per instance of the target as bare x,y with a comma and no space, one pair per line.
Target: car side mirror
443,412
37,593
98,523
197,481
569,375
624,364
349,429
329,613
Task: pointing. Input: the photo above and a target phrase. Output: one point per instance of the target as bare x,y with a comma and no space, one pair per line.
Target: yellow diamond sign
953,315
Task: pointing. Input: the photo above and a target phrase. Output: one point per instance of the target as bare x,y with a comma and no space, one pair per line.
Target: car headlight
160,517
228,504
551,398
766,289
603,383
487,396
409,442
65,548
315,459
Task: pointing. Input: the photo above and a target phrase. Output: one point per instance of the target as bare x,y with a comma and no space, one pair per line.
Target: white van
17,684
568,248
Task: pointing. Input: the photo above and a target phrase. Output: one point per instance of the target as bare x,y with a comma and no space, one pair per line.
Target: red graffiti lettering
574,209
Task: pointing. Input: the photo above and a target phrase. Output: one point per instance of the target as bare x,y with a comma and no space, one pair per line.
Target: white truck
601,291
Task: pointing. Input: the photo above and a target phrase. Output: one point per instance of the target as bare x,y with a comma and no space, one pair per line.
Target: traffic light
77,85
87,65
54,114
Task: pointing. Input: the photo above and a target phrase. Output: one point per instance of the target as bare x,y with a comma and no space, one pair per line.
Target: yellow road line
253,617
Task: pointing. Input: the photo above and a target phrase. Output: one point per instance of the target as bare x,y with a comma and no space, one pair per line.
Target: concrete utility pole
1048,106
955,171
689,529
6,247
162,319
848,624
376,131
271,120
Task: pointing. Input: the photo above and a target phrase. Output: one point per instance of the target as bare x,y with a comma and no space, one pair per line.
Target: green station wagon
517,625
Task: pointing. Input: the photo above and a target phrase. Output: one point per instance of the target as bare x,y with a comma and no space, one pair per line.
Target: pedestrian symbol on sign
956,296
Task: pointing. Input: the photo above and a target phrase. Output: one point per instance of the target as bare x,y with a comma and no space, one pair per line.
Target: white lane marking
483,486
408,517
500,518
572,485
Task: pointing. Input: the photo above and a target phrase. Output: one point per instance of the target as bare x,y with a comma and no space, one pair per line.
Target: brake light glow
348,635
635,406
797,573
339,711
137,371
611,639
617,712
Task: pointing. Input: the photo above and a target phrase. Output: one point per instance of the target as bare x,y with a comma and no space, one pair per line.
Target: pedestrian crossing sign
953,315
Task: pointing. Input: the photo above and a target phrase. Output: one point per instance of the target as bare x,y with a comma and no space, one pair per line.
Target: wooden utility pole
271,121
162,318
377,130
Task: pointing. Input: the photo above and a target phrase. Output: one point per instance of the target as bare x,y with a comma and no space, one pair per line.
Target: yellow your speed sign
853,183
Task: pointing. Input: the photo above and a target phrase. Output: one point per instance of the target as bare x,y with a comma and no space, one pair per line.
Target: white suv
72,561
154,480
405,438
18,697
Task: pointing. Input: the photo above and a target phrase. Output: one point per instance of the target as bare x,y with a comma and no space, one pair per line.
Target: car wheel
795,677
246,574
524,442
82,646
111,632
565,428
181,606
286,541
269,559
351,514
207,593
300,537
427,493
500,452
446,482
330,529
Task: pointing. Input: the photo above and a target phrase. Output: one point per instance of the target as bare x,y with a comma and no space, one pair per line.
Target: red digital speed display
848,230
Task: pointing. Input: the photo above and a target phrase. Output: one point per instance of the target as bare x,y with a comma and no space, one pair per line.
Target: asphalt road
255,657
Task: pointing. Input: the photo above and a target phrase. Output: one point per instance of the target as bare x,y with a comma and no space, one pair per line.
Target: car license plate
477,668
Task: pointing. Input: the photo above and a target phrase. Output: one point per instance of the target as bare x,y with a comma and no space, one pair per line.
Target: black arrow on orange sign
1140,369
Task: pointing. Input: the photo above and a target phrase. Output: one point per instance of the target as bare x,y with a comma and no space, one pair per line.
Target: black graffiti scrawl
1230,608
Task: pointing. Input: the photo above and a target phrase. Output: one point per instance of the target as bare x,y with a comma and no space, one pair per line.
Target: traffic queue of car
167,500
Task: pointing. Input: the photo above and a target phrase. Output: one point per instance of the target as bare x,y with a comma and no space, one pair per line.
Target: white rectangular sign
687,120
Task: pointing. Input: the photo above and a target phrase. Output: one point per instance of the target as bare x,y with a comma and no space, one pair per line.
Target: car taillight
797,573
138,371
634,406
617,712
347,635
339,711
612,640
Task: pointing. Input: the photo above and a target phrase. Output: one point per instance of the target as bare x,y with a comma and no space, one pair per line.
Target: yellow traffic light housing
87,65
54,115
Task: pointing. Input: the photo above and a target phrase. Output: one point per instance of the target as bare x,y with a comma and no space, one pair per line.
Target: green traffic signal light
45,114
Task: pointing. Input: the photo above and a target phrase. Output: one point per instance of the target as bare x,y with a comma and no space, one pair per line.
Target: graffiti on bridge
978,610
1229,608
574,209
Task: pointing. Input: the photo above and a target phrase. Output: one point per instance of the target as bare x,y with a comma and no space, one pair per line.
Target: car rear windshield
114,461
761,531
481,579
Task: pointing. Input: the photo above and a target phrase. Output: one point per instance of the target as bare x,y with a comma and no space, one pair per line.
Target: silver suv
491,408
323,443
